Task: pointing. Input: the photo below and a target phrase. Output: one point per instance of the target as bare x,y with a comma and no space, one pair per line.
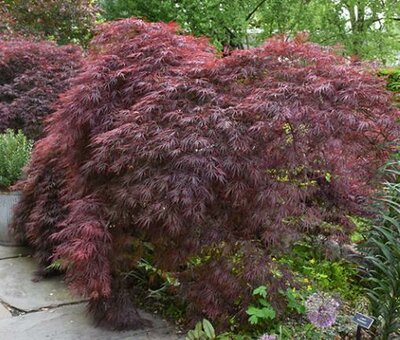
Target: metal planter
7,203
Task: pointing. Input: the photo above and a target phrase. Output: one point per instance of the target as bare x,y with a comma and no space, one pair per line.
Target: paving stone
4,312
18,290
9,252
71,323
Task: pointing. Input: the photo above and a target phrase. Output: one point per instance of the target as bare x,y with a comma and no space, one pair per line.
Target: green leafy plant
393,78
155,286
15,150
262,312
382,250
295,300
203,330
344,329
316,272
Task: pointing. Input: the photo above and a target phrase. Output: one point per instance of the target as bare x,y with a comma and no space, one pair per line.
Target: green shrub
393,78
262,312
317,272
15,150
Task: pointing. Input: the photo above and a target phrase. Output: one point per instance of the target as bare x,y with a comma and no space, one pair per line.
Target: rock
71,323
18,290
4,312
332,249
350,253
10,252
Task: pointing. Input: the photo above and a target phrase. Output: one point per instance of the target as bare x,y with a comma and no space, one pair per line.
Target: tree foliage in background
32,75
367,28
217,163
61,20
6,20
224,22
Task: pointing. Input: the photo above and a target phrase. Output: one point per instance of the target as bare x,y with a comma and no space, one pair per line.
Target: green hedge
15,150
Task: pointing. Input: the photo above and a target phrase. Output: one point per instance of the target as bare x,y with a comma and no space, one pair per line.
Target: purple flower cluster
268,337
322,310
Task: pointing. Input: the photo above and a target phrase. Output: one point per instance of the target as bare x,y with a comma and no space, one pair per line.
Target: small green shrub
262,312
15,150
315,271
393,78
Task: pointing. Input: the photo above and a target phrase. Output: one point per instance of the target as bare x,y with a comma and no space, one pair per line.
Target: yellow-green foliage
393,78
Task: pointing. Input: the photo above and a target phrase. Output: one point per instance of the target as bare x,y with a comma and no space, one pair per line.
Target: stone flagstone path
46,311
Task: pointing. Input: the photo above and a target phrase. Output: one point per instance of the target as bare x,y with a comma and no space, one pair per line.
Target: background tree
224,22
60,20
6,20
366,28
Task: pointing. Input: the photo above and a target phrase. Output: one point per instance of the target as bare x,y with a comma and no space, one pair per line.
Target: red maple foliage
32,75
227,160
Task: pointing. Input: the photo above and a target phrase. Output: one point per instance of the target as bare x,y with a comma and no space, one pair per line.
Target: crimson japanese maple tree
224,160
32,75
